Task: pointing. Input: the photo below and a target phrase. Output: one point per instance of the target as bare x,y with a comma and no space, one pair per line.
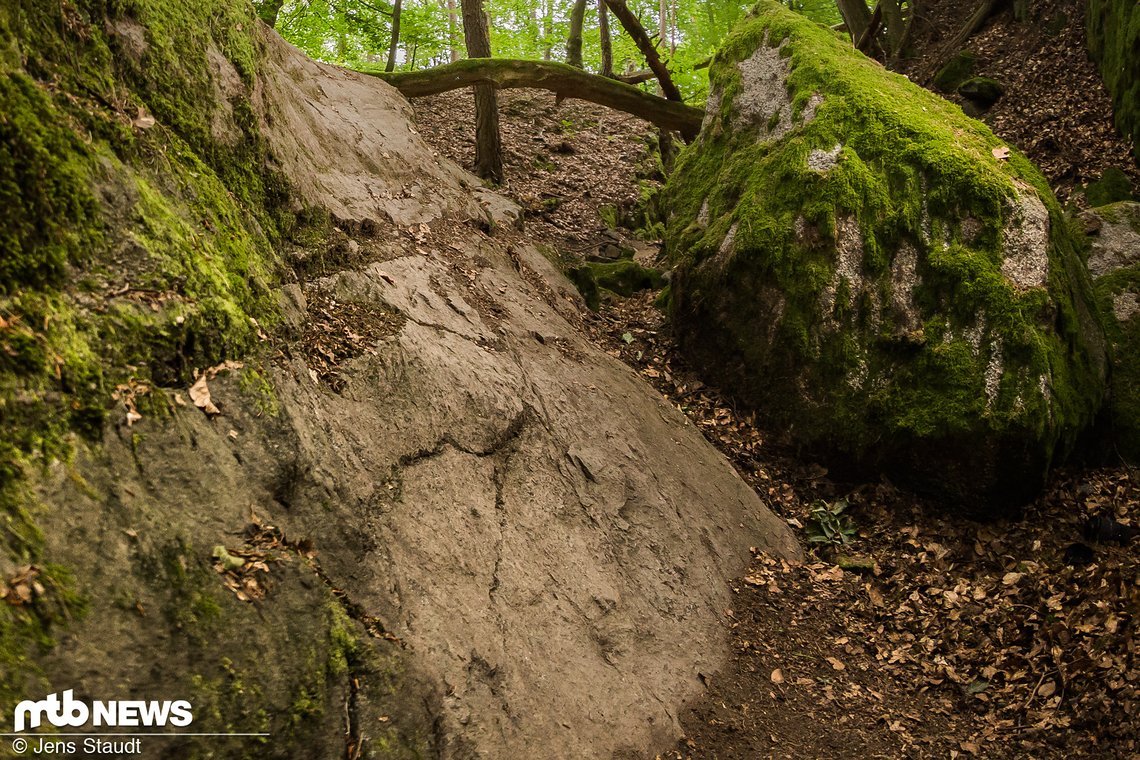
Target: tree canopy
357,33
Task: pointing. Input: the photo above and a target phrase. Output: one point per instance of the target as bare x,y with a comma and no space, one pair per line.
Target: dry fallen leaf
1001,154
200,395
836,664
143,120
777,676
1011,578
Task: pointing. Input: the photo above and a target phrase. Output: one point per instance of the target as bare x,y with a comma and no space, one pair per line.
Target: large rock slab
484,537
878,273
1114,262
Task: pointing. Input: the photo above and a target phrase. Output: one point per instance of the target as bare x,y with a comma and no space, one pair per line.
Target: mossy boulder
956,71
623,278
878,273
1114,261
981,91
1114,42
1113,186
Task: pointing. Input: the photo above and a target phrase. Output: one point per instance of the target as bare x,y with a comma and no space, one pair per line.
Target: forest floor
944,637
1055,108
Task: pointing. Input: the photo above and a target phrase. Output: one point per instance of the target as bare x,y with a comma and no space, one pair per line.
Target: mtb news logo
74,713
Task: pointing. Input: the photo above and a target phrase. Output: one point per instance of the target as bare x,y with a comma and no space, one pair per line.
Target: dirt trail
947,638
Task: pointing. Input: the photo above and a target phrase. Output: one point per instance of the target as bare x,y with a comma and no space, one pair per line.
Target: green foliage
829,523
356,33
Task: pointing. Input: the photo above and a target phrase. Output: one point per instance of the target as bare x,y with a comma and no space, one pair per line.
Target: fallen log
559,78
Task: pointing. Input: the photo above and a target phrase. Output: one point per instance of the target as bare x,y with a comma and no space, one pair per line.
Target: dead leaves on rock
128,394
200,391
245,570
338,331
23,587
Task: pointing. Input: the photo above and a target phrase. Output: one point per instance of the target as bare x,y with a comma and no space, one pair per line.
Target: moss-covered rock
982,91
877,272
623,278
1114,41
956,71
1114,261
1112,187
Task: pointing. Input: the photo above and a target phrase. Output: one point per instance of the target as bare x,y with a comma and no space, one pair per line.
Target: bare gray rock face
547,539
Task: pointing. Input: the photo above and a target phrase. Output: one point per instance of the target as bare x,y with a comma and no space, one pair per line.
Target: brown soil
953,639
1056,108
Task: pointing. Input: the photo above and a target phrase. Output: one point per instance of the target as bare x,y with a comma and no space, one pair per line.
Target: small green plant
829,524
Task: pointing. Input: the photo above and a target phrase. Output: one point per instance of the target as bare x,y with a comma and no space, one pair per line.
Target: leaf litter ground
946,637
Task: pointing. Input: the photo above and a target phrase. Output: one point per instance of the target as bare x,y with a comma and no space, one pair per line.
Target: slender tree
857,17
396,8
452,31
488,142
607,41
635,30
548,32
574,40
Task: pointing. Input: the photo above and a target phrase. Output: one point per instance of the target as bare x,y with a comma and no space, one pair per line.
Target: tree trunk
548,31
565,81
895,24
396,7
857,16
645,45
673,31
607,42
574,40
268,10
955,44
452,31
866,40
488,142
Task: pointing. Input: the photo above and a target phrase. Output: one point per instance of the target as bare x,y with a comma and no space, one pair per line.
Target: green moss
956,71
626,277
1123,409
124,252
28,631
1114,42
911,171
587,284
1112,187
48,217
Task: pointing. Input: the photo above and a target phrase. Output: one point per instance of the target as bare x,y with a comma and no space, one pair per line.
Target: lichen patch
1026,243
904,280
1117,244
824,160
763,97
1125,305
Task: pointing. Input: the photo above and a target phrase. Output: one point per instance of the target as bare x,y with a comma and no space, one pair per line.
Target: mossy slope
839,246
1114,41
